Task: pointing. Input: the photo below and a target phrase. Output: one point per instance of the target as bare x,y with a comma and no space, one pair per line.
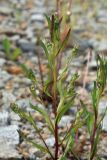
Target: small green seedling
11,55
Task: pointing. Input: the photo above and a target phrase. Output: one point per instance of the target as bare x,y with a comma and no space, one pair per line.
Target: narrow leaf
63,109
45,115
6,45
63,44
45,48
16,53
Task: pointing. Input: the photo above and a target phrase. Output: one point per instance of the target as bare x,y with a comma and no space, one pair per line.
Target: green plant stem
56,141
55,110
93,136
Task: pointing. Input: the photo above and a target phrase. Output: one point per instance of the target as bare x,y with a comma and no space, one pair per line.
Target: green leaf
62,109
7,45
89,117
29,73
98,158
60,90
16,53
45,115
47,83
70,143
95,97
48,20
64,43
33,90
62,158
45,48
102,117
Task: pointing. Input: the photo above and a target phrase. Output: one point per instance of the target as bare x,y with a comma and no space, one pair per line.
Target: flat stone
5,10
26,46
7,152
37,17
9,135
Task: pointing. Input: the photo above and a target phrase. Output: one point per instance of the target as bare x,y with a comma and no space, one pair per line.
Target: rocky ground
23,22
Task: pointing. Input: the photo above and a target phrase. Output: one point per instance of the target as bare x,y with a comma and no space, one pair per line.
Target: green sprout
11,55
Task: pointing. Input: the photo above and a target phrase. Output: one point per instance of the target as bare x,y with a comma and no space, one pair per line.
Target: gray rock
22,80
14,117
8,152
29,33
77,9
102,16
1,49
7,99
66,120
104,124
73,110
39,3
2,85
102,106
50,141
22,2
93,65
5,10
37,17
38,26
2,62
26,46
15,38
9,135
24,104
83,45
102,45
4,118
42,10
4,76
